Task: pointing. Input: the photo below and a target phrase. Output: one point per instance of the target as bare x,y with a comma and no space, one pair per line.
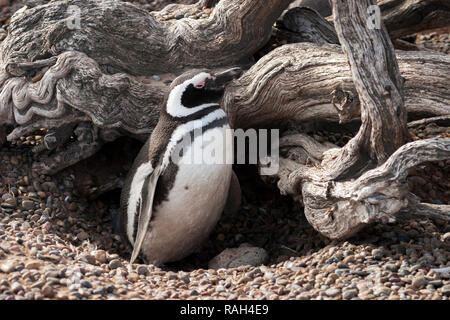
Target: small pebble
34,264
16,287
445,290
114,264
436,283
8,266
88,259
332,292
47,291
142,270
378,254
100,256
381,291
419,282
233,258
349,294
82,236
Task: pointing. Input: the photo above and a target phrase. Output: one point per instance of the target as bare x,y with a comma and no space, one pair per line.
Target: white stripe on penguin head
174,106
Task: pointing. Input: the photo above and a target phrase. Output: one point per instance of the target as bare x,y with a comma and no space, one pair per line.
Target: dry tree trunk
401,18
99,59
379,86
98,83
124,37
405,17
296,82
339,199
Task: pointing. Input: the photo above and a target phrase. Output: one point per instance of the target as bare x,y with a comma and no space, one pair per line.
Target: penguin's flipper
145,213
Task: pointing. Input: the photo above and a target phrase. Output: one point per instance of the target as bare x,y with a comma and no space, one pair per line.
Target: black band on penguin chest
196,115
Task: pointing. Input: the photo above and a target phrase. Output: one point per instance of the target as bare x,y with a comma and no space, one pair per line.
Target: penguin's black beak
223,78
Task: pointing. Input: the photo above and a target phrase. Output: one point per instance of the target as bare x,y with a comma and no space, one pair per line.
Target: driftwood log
104,66
365,181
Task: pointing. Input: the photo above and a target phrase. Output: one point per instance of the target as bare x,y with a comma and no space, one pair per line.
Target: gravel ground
437,39
57,243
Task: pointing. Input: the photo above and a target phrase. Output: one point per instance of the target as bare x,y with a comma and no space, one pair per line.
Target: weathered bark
209,3
405,17
339,209
408,46
321,6
101,71
442,120
305,25
296,82
123,37
379,86
438,213
109,84
401,18
338,197
75,90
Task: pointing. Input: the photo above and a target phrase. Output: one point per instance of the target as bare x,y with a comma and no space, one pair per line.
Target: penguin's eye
200,85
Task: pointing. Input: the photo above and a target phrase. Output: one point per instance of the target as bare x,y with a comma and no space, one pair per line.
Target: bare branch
405,17
142,43
296,82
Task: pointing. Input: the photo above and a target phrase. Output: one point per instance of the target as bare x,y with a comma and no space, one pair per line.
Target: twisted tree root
340,209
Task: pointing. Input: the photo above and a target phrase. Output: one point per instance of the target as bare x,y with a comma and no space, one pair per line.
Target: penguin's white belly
193,206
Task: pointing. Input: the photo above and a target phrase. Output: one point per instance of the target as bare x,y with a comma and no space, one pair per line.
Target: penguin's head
197,89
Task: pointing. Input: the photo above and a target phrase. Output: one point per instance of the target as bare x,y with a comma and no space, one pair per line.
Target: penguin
170,200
